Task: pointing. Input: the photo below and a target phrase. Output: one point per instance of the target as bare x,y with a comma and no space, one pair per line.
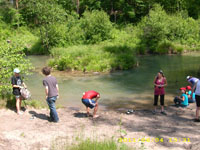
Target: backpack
25,93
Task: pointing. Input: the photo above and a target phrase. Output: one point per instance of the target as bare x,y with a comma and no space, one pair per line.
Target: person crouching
88,101
183,99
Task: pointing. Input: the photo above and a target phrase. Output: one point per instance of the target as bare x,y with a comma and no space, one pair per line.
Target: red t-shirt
90,95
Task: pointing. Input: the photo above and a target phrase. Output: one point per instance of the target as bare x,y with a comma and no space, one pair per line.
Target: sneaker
163,112
154,112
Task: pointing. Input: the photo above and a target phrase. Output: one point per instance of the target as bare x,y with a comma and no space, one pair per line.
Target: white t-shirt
197,91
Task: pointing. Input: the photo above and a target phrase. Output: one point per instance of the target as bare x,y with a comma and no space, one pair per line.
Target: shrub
102,58
11,56
159,27
96,26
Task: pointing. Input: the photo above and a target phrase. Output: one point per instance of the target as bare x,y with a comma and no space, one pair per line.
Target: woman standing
159,90
196,88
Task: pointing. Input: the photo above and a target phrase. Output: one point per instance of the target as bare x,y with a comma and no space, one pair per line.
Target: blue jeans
53,114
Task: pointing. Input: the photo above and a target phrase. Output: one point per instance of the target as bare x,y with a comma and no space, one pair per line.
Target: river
120,90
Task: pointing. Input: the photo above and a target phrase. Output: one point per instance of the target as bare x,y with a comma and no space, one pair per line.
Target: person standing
17,84
196,88
160,82
192,80
89,103
52,93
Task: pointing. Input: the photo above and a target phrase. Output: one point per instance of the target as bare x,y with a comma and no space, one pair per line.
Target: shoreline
78,73
32,130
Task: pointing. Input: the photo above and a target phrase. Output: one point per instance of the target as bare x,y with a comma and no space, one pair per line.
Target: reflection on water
123,89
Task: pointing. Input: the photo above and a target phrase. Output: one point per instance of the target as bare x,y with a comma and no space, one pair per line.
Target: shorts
197,97
86,102
17,96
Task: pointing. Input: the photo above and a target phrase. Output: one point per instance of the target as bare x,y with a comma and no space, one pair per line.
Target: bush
103,58
96,26
12,56
159,27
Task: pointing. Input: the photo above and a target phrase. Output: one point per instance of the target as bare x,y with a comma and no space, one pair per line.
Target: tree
11,56
43,13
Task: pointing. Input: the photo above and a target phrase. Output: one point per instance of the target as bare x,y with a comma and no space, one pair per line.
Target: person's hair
46,71
161,72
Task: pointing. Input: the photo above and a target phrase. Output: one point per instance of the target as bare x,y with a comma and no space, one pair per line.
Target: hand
20,87
58,97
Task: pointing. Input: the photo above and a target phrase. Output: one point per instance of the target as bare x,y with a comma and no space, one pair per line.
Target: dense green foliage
100,35
161,32
11,56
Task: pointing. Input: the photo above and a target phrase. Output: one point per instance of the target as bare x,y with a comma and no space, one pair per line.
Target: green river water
123,89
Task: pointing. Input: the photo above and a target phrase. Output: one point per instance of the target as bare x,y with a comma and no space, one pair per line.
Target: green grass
89,144
9,101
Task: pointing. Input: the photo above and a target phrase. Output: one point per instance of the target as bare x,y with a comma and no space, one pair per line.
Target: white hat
188,77
16,70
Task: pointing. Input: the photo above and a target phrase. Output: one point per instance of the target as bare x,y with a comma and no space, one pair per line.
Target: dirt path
26,132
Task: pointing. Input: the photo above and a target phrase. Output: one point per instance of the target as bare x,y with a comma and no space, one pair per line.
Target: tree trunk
17,3
77,6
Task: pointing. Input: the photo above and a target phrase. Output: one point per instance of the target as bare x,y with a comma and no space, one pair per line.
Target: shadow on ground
40,116
80,115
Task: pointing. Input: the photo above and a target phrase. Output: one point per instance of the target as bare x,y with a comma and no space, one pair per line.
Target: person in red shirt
89,103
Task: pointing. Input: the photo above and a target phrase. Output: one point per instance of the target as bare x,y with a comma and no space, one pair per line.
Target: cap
183,88
188,87
16,70
188,77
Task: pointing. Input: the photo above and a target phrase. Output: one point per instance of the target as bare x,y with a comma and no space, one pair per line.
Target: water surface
122,89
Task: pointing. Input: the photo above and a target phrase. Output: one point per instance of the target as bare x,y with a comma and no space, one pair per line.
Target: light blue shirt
193,95
185,102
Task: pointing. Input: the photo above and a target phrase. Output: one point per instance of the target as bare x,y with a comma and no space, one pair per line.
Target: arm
46,91
165,82
181,98
98,96
194,87
57,89
24,85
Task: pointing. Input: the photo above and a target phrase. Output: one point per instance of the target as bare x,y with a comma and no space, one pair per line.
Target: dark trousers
162,97
178,102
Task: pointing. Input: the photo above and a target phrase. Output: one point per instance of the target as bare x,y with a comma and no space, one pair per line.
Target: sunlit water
120,90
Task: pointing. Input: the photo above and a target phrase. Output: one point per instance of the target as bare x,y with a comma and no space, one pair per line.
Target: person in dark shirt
17,84
52,93
89,103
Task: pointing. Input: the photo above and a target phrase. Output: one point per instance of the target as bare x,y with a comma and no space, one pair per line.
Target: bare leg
197,112
18,105
95,110
162,108
88,111
155,108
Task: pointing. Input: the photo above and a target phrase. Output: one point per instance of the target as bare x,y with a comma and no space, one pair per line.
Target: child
191,97
17,84
183,99
89,103
52,93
